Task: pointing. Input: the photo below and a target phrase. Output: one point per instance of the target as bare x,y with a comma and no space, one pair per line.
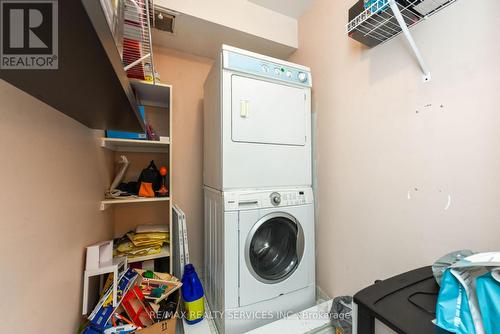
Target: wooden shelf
107,202
131,145
165,252
150,94
90,84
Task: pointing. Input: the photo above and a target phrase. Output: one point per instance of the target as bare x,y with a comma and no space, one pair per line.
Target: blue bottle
193,295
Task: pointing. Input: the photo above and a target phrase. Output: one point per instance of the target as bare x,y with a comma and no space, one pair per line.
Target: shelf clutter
137,294
373,22
147,303
164,253
147,242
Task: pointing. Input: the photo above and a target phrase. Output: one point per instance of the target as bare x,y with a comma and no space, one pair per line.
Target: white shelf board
133,145
150,94
107,202
165,252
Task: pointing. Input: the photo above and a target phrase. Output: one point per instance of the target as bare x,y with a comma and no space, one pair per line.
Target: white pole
409,38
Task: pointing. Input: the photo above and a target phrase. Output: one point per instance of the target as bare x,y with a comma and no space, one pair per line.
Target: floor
323,304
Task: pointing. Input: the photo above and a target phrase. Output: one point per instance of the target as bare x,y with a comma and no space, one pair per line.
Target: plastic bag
445,262
452,310
488,294
463,306
341,314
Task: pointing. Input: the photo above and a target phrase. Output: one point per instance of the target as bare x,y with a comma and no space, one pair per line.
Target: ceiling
202,38
292,8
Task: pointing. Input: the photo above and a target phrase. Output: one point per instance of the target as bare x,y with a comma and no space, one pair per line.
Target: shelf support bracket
103,206
411,41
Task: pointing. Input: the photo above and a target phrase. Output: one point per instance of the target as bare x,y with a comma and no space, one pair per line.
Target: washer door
274,248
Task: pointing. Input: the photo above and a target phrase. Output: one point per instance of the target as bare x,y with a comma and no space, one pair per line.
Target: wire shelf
135,42
377,24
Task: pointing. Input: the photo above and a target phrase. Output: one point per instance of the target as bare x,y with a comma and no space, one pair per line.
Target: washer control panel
250,200
267,68
293,198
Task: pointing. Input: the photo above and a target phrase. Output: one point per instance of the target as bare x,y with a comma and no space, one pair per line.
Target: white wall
240,15
373,147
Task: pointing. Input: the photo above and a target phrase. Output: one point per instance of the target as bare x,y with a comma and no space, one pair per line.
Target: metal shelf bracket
411,41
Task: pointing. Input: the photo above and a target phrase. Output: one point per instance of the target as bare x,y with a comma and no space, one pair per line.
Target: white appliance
257,122
259,255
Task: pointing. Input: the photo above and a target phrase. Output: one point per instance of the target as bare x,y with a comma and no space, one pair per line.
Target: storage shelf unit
107,202
157,99
131,145
165,252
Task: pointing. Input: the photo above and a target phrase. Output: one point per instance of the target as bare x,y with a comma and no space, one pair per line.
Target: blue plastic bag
469,298
452,309
488,295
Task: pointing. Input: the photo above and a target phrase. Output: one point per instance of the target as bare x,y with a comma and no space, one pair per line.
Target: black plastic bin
405,303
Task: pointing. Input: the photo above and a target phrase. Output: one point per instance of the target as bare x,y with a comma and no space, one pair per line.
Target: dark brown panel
90,84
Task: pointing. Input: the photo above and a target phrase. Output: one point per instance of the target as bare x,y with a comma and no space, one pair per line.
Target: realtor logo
28,37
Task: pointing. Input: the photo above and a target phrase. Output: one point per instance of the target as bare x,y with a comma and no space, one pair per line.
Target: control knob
302,77
275,199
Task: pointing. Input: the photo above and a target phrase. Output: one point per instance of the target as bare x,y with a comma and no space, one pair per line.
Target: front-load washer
257,122
259,255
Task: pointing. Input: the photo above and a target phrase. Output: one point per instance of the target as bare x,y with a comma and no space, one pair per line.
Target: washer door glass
275,248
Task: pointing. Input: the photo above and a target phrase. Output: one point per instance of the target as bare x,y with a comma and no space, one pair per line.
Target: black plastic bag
151,174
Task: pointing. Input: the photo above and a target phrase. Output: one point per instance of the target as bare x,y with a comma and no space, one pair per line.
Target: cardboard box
165,326
162,327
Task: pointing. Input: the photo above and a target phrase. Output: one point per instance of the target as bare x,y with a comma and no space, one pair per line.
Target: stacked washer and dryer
259,210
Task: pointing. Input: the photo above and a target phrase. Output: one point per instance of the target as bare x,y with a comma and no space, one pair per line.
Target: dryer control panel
248,200
263,66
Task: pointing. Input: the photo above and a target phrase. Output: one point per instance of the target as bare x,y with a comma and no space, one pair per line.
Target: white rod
129,66
409,38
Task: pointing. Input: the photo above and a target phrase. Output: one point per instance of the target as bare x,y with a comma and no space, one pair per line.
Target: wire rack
135,36
379,24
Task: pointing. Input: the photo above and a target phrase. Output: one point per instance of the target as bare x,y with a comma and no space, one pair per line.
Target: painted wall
53,177
187,75
392,151
240,15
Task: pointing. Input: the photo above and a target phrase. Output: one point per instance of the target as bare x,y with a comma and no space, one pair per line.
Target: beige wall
373,147
53,177
187,75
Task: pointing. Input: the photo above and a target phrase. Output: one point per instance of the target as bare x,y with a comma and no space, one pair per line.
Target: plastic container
193,295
